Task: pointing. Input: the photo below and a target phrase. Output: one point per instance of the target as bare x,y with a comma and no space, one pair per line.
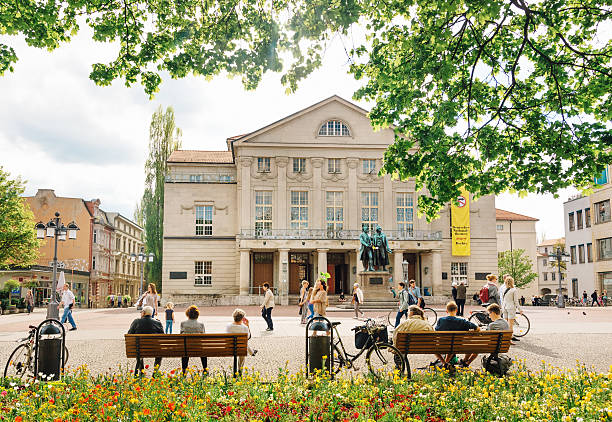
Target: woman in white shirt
510,303
240,325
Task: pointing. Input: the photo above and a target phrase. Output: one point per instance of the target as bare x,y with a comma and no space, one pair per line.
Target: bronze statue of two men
374,250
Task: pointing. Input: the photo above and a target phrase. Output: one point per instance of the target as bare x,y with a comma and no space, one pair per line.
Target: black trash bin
49,356
319,345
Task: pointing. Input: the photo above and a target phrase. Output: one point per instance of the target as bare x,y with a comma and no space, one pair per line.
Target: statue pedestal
375,284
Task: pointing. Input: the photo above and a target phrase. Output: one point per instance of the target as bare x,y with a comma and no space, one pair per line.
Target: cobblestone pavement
558,337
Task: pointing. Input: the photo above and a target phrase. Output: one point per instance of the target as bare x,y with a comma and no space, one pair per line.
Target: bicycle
431,316
381,357
21,360
521,322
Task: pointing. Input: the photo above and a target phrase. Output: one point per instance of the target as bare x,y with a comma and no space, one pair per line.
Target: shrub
10,285
4,304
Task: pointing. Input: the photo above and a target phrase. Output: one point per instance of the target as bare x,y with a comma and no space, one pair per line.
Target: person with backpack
404,303
490,293
594,297
415,294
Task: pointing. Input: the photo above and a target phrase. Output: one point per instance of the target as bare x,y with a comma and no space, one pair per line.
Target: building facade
602,231
127,240
517,231
288,201
579,243
548,273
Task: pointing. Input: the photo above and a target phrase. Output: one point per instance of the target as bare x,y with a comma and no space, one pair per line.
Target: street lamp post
58,231
405,266
142,258
558,257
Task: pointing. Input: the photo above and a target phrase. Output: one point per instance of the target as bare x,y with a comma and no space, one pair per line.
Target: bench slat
444,342
190,345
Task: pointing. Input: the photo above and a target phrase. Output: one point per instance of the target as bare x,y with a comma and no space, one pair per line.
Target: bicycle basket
362,338
483,318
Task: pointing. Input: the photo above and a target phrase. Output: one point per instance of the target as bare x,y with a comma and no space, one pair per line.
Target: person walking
192,326
585,297
29,300
461,297
454,290
319,299
68,303
357,299
267,306
146,325
492,289
594,297
404,303
240,325
510,304
150,298
304,293
169,317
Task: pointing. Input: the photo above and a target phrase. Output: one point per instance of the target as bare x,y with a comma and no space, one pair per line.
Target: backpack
484,294
497,364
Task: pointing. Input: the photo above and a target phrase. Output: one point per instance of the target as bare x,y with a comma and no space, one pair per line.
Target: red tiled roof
192,156
552,242
511,216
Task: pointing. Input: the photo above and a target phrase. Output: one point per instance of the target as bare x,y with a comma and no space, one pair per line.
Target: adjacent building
548,273
579,241
127,241
517,231
602,231
288,201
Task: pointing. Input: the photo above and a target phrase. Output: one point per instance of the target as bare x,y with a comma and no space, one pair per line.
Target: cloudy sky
60,131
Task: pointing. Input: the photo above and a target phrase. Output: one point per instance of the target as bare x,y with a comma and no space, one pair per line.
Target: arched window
334,128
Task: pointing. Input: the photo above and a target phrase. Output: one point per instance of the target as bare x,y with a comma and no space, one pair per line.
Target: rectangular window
263,164
95,236
195,178
118,243
333,165
604,248
572,223
334,211
579,222
299,165
93,263
573,254
544,262
589,252
369,210
203,273
263,212
405,213
602,211
545,276
581,254
203,222
299,209
369,166
553,276
459,271
500,227
587,217
602,179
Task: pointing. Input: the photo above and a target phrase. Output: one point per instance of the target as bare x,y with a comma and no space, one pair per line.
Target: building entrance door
338,272
411,258
263,268
574,287
298,271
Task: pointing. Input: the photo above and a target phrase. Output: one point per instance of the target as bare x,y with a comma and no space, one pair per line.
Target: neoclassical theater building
288,201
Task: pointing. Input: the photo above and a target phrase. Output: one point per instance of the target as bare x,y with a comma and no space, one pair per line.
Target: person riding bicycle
415,294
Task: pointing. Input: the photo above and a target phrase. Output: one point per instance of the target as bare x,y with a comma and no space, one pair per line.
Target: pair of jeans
460,306
398,317
68,316
185,363
266,314
311,310
169,323
140,366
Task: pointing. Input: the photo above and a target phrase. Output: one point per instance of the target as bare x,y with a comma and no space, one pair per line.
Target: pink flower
4,393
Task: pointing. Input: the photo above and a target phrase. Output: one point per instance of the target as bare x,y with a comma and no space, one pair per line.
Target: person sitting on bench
454,323
416,322
146,325
497,324
192,326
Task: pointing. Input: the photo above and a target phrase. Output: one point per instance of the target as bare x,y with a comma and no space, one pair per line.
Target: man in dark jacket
461,297
146,325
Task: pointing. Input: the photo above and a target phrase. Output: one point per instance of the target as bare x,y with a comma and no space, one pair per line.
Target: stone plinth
375,284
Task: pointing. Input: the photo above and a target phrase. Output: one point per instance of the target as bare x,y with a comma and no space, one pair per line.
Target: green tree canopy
491,95
518,265
18,243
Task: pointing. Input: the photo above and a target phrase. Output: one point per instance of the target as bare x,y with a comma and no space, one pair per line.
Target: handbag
300,311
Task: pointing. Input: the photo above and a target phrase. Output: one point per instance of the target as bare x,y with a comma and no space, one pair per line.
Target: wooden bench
186,345
452,342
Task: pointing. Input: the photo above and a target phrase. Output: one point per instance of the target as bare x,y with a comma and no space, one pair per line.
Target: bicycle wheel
66,354
391,318
338,361
430,315
383,359
521,325
477,318
19,363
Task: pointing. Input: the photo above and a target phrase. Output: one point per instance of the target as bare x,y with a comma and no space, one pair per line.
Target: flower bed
544,395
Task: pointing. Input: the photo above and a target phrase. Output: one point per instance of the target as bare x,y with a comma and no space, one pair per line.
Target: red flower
146,412
230,393
171,406
52,401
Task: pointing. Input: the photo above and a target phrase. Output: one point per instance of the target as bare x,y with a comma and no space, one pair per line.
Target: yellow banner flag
460,224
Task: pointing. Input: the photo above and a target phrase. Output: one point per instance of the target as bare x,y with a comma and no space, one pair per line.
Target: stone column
317,201
245,267
398,271
245,193
387,204
352,210
283,276
436,272
281,195
322,261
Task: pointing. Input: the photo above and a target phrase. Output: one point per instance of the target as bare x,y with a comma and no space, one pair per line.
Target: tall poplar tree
164,137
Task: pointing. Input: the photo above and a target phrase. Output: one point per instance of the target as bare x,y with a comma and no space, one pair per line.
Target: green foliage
491,95
518,265
18,243
10,285
164,138
324,276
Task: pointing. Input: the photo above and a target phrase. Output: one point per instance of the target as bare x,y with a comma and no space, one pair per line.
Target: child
169,317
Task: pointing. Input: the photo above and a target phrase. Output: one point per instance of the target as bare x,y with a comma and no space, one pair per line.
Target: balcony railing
216,177
312,234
